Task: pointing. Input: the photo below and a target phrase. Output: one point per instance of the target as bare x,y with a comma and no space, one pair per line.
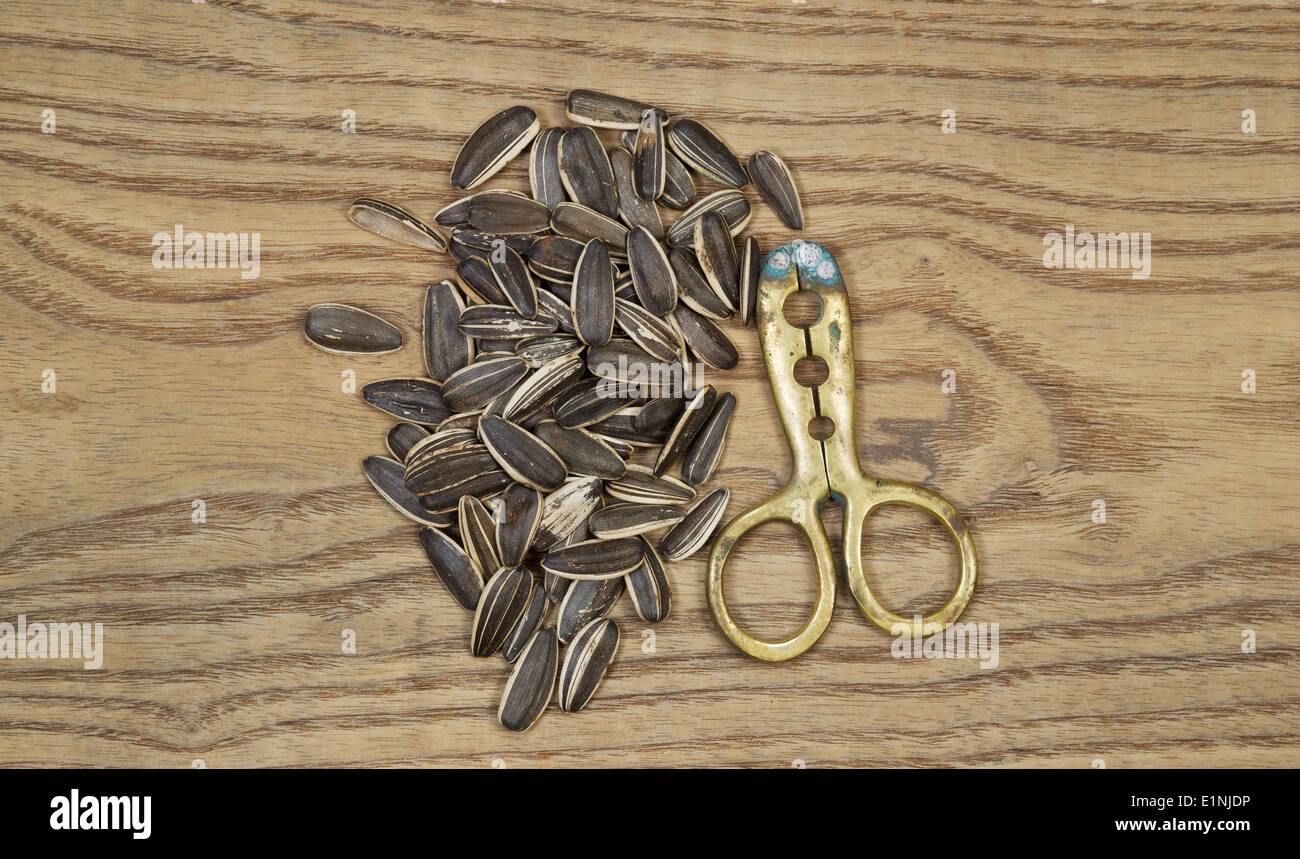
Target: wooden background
1119,641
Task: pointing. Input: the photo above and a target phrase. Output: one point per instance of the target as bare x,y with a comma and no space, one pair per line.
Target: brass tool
825,469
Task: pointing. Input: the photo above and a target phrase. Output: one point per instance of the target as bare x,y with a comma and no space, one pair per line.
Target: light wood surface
1119,642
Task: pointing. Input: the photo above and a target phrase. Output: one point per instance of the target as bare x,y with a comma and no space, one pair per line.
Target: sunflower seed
544,168
457,213
581,451
623,426
751,263
659,415
649,166
732,205
585,600
551,305
460,252
706,449
517,518
440,439
564,510
346,330
593,295
446,348
403,437
588,405
692,420
477,279
504,601
464,420
652,275
484,242
679,187
628,520
454,567
647,331
500,138
540,350
586,172
634,369
516,283
393,222
555,257
706,340
532,620
509,214
387,476
716,253
539,388
606,111
440,477
585,663
634,211
686,538
642,486
579,222
693,288
652,595
416,400
475,386
594,559
704,151
776,186
532,682
524,457
501,321
478,535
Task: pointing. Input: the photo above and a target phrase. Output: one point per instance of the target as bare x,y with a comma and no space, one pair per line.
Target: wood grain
1118,641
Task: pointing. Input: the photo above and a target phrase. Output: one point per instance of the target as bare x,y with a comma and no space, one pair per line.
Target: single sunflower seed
539,388
503,322
478,535
416,400
703,151
555,257
705,451
476,278
511,274
544,168
652,595
394,222
647,330
588,404
716,253
548,347
751,264
693,288
581,451
532,682
593,295
402,437
525,457
475,386
453,566
706,340
603,110
564,510
648,157
517,518
584,601
509,214
533,617
686,538
643,486
586,172
503,602
776,186
457,213
628,520
501,137
652,275
594,559
446,348
659,415
346,330
580,222
634,211
586,661
387,476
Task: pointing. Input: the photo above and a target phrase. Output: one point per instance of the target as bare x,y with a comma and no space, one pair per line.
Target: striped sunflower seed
503,602
531,683
706,449
693,288
652,595
541,350
628,520
751,264
524,456
634,211
706,340
692,420
503,322
730,204
585,663
483,242
679,187
446,348
517,518
551,305
403,437
346,330
581,451
478,534
388,478
686,538
544,168
442,476
716,253
593,295
589,404
586,600
564,510
586,172
652,275
511,273
475,386
594,559
416,400
457,213
509,214
458,573
501,137
648,331
603,110
579,222
776,186
642,486
703,151
394,222
544,384
659,415
476,278
648,154
532,620
555,257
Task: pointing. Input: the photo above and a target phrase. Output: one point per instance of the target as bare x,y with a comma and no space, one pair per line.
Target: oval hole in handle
770,583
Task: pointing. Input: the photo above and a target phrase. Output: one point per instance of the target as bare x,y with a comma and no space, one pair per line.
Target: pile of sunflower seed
562,351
